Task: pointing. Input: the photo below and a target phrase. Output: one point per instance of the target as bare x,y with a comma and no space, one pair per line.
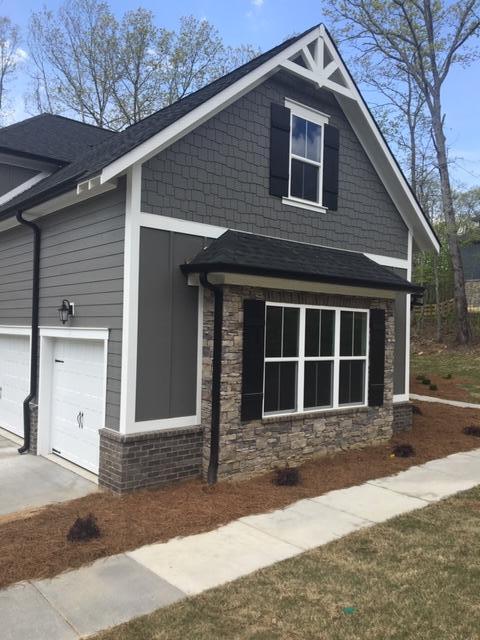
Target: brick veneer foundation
252,447
138,460
402,417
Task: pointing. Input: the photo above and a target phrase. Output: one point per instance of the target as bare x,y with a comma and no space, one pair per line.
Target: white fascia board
23,187
203,112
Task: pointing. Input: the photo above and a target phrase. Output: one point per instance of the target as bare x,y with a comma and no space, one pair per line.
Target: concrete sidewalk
114,590
452,403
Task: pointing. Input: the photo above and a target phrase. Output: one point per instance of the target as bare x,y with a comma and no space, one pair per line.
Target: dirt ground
452,389
35,545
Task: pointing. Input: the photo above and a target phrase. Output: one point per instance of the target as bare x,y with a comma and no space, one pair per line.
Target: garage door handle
80,419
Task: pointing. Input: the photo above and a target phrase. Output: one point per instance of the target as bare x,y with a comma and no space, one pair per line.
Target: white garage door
14,381
77,405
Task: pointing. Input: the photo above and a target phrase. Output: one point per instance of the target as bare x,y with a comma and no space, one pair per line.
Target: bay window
315,358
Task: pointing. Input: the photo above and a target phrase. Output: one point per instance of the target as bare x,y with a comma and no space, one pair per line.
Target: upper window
306,154
315,357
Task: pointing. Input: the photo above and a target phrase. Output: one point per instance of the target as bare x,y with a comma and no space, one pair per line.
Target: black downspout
216,377
34,340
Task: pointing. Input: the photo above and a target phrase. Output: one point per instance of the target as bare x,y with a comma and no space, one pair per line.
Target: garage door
14,381
77,404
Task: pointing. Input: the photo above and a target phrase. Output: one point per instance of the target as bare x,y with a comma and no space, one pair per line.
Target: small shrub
426,381
416,410
420,377
84,529
447,376
433,387
403,451
472,430
286,477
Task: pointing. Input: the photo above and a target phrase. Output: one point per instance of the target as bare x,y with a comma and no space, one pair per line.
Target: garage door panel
77,403
14,380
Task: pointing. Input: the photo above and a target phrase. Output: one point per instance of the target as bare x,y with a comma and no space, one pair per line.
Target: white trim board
13,330
23,187
349,99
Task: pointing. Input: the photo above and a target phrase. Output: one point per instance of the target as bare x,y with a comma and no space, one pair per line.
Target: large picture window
315,358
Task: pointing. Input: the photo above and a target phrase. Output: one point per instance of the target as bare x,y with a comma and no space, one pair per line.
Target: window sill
311,415
304,204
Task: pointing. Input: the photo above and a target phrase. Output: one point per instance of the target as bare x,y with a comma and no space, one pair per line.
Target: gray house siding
167,327
82,260
16,276
11,177
219,174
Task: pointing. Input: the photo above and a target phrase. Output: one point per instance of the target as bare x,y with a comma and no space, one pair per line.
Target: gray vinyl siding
219,174
11,177
399,356
82,259
16,276
167,327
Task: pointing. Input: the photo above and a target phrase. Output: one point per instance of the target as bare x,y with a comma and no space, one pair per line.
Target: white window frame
301,359
321,119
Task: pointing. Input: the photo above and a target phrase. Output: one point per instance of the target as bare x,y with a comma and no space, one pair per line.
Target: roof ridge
16,124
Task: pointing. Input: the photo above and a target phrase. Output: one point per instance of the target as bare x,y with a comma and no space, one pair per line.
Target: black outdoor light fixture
66,311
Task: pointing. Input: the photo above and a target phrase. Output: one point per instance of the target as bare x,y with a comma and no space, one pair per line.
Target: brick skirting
402,416
139,460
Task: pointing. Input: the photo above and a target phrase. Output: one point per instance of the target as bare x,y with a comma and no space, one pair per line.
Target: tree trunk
463,328
438,314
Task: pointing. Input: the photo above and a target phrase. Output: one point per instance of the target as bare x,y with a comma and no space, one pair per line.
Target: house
471,267
218,289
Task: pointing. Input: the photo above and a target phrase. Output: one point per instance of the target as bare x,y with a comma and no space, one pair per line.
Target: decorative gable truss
318,63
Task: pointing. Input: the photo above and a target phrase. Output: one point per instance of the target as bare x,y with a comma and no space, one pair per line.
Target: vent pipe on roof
27,412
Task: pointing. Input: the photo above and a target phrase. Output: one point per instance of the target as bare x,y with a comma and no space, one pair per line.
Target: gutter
27,413
217,290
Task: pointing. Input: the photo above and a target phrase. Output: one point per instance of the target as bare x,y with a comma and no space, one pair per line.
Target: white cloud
258,3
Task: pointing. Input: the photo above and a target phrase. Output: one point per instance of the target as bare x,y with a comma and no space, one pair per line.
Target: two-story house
219,289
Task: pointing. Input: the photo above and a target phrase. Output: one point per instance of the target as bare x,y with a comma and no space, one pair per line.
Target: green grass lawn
413,578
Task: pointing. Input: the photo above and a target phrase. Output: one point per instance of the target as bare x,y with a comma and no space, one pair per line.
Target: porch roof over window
245,253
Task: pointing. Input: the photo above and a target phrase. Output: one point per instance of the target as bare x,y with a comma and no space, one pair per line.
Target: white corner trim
128,385
166,223
75,333
14,330
408,313
23,187
303,204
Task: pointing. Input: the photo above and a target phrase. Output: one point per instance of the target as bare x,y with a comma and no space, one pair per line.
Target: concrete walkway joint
80,603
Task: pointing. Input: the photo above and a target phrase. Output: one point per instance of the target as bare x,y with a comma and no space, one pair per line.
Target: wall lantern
66,311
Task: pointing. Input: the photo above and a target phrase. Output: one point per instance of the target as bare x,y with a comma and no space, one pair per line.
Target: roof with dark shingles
52,137
246,253
118,145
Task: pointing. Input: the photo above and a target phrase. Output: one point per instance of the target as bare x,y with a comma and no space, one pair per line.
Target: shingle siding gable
219,174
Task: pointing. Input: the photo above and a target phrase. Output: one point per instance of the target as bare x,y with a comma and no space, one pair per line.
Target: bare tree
425,39
113,72
10,56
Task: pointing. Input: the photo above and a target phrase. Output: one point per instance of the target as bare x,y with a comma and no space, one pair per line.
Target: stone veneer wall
134,461
402,416
252,447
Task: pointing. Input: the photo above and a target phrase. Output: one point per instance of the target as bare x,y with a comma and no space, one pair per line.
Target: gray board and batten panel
167,327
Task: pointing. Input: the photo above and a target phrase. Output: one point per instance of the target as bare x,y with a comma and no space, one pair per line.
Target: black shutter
376,372
331,139
253,348
279,150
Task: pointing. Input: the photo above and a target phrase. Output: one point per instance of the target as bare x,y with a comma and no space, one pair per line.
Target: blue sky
265,23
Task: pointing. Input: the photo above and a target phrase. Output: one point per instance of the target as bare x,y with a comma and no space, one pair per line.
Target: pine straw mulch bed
452,389
35,546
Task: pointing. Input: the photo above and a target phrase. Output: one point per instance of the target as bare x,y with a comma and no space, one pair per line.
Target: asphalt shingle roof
52,137
246,253
93,161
